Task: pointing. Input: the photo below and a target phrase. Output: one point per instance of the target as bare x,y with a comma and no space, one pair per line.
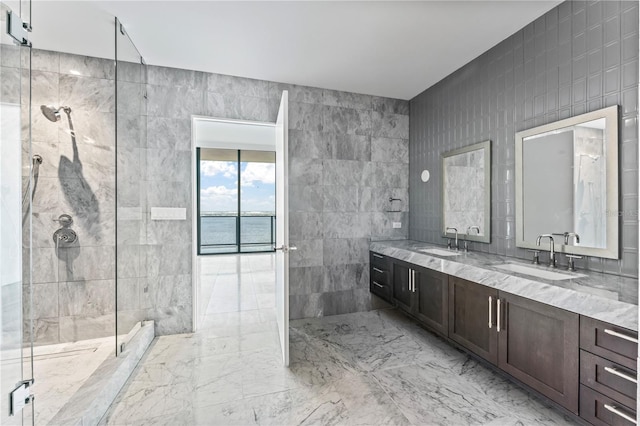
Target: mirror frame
610,115
486,146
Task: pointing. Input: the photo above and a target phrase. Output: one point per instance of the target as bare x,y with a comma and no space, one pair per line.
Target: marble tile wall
579,57
74,285
348,155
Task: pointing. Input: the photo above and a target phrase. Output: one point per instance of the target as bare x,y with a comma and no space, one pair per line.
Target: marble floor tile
367,368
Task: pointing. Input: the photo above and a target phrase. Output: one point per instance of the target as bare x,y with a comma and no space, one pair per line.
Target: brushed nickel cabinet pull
498,320
617,412
490,316
413,279
379,285
409,279
616,372
378,270
621,335
377,255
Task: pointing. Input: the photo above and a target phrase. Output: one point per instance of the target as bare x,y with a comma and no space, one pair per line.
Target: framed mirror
567,184
466,192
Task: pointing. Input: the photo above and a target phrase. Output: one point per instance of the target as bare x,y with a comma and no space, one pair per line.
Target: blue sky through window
219,181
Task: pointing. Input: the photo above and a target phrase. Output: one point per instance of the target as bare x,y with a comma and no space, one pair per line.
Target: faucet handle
536,257
572,264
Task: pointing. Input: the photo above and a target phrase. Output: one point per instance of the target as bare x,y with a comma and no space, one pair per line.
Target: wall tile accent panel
579,57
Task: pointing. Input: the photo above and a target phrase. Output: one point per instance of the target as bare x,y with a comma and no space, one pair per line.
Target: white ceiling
395,49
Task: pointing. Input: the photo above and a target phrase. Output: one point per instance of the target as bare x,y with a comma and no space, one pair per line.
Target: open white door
282,226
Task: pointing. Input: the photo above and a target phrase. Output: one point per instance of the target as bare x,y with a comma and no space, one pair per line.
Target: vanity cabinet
422,293
380,276
472,317
432,299
608,377
533,342
538,345
584,365
402,284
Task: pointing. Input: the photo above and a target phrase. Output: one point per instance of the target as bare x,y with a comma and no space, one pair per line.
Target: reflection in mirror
566,184
466,192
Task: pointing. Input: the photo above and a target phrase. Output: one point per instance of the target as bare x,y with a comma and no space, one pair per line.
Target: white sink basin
535,272
440,252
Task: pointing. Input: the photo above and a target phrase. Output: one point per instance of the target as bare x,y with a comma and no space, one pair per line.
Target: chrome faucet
568,235
449,240
466,242
552,253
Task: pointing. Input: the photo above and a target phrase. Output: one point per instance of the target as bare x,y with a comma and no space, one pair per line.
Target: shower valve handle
64,220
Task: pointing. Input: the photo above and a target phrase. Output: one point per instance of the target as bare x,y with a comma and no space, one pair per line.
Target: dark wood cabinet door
538,345
432,291
402,294
469,317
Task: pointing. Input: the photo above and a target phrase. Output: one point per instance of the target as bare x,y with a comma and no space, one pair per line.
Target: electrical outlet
397,225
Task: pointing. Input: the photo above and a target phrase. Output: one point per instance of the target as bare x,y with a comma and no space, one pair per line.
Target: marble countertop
590,293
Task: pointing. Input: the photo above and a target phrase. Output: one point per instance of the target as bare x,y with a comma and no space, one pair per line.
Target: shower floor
60,370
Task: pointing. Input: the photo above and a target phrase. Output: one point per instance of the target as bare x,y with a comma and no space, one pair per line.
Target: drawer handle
379,285
620,335
617,412
378,270
377,255
619,373
490,316
498,320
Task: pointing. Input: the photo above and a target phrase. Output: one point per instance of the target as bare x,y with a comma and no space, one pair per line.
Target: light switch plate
397,225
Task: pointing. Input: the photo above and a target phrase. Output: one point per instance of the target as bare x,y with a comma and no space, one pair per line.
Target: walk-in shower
74,295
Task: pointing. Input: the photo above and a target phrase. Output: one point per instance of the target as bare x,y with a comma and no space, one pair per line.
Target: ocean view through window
236,203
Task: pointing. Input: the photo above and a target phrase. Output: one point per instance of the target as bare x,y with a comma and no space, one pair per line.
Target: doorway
240,214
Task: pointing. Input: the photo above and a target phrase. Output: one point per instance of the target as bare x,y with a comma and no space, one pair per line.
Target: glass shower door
131,212
15,365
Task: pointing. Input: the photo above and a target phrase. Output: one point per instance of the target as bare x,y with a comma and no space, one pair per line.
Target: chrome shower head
52,113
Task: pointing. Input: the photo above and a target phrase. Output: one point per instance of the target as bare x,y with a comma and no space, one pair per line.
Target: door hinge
17,29
20,397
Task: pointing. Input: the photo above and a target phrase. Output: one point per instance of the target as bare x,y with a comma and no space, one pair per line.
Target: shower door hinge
20,397
17,29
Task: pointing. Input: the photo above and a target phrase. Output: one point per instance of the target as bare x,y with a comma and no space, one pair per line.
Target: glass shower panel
133,299
15,364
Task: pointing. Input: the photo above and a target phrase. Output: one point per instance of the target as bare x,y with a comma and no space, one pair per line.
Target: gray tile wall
73,287
348,155
579,57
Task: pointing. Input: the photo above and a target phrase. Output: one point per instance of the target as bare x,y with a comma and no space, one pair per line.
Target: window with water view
236,205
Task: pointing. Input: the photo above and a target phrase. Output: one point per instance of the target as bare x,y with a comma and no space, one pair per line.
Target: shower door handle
285,249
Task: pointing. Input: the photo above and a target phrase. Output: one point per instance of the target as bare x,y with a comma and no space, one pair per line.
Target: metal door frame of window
238,213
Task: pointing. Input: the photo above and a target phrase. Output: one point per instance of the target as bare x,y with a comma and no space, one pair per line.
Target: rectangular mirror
466,192
567,183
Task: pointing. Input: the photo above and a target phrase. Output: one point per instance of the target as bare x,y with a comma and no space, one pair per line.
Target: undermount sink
535,272
440,252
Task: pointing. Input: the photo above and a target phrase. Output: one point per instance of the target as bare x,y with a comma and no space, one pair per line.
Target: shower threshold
76,382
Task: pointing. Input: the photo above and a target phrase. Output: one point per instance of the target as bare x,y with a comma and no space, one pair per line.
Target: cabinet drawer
379,261
613,343
608,378
380,275
601,410
381,289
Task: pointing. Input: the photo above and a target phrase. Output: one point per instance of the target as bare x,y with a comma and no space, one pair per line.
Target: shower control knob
65,220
